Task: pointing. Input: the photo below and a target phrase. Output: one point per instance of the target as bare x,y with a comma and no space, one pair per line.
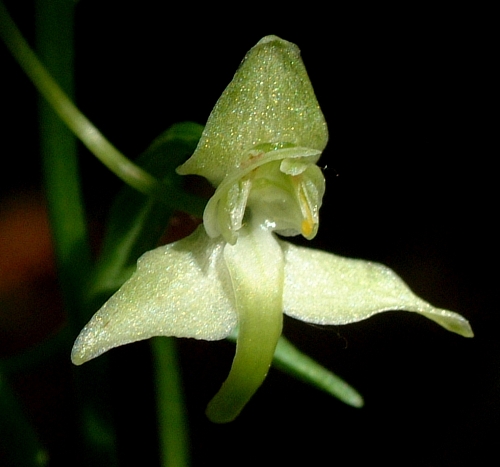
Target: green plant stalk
81,126
67,111
54,38
170,402
58,147
172,424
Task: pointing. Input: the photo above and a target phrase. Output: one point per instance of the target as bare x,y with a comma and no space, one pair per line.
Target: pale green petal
225,210
269,100
326,289
255,263
182,289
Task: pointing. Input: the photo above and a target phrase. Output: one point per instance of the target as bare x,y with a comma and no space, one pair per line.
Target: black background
409,183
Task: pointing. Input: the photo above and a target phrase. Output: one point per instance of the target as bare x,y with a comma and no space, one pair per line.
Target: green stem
170,404
95,438
79,124
54,38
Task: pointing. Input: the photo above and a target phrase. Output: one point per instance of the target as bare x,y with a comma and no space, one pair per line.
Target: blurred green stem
62,183
58,146
78,123
170,405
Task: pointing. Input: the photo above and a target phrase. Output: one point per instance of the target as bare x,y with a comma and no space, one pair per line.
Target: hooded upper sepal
162,298
324,288
269,100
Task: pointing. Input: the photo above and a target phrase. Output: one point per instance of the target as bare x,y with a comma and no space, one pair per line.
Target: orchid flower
233,274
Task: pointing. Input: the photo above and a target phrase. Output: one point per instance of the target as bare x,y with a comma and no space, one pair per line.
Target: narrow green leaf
292,361
136,222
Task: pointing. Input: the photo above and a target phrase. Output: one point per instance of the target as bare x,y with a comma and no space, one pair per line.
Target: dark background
409,183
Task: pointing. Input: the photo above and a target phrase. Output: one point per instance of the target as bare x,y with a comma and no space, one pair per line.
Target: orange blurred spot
25,245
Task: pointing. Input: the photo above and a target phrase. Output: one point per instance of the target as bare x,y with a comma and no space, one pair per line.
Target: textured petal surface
256,266
182,289
326,289
269,100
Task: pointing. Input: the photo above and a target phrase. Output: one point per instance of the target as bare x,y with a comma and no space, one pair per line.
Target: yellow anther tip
307,227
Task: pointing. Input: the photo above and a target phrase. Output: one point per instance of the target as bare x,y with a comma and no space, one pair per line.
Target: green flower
233,274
